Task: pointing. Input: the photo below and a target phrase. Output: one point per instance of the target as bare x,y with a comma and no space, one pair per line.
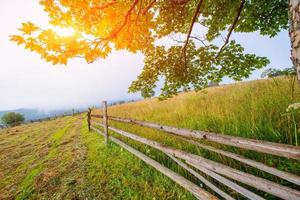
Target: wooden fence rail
219,172
198,192
283,150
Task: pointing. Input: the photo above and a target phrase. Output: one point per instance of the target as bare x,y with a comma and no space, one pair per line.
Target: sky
26,81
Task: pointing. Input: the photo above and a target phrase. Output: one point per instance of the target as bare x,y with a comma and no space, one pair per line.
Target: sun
64,32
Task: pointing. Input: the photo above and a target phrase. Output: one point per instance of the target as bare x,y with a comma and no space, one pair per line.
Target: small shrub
271,72
12,119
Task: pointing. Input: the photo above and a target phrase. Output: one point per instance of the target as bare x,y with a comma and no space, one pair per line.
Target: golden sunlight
64,32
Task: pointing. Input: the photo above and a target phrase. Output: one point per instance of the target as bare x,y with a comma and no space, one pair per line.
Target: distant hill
34,114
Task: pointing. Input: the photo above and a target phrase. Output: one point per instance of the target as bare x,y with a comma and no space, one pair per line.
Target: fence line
284,175
105,119
271,170
211,168
283,150
198,192
201,178
254,181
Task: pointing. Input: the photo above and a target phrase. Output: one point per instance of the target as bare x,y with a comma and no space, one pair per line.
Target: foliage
12,118
196,72
101,26
271,72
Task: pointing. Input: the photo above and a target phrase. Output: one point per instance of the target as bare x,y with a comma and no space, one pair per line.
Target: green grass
62,160
21,148
120,175
252,109
27,185
56,137
255,109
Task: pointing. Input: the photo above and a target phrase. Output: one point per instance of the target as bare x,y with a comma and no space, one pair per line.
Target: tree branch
192,37
197,11
200,40
115,32
240,9
148,7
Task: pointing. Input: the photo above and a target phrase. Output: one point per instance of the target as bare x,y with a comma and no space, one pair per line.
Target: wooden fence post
89,118
105,121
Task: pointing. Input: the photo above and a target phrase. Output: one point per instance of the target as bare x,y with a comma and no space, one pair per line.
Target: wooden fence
192,163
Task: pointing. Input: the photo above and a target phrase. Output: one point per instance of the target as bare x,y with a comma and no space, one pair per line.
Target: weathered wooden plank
96,116
201,178
254,181
284,175
105,121
228,183
277,149
198,192
89,118
98,131
221,179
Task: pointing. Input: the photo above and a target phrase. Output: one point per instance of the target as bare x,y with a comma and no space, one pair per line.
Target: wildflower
291,111
293,107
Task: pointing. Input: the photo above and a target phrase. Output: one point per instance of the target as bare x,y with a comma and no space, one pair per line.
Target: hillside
60,159
254,109
35,114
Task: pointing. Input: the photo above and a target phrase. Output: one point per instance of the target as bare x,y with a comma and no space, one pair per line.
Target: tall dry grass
255,109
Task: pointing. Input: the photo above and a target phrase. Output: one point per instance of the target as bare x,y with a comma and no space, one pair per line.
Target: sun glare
64,32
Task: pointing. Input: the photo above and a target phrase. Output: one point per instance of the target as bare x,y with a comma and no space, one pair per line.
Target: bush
277,72
12,119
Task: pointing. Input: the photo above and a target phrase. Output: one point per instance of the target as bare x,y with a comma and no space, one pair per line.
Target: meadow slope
254,109
60,159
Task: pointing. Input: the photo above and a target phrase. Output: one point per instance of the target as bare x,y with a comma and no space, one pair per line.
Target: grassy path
27,186
120,175
21,147
60,159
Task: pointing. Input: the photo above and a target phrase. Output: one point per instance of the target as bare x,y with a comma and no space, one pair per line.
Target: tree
294,32
12,119
271,72
192,62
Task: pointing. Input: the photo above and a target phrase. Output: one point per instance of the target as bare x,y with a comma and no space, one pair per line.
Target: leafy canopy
12,118
271,72
137,26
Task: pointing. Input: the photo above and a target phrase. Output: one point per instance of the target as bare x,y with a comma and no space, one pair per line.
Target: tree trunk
294,32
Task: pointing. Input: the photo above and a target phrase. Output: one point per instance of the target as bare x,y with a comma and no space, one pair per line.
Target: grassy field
60,159
255,109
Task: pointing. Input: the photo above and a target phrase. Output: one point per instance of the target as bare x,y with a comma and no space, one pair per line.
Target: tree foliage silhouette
207,52
12,119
